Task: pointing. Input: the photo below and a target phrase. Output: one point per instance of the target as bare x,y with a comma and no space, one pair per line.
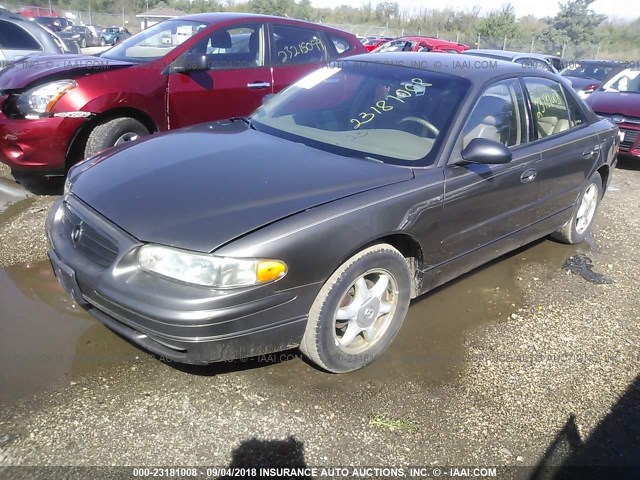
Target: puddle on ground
45,339
430,348
582,265
13,198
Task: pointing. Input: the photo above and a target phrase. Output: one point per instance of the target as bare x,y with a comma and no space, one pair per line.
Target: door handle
528,176
258,85
590,152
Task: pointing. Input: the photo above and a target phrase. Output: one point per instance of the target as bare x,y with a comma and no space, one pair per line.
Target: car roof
217,17
448,63
505,54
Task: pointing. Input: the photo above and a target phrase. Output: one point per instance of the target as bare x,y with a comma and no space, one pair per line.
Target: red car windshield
155,42
627,81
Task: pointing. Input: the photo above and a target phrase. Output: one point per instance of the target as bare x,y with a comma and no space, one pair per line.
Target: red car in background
57,110
374,42
618,99
422,44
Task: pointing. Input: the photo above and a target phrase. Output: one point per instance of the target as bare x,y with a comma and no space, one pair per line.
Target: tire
577,228
115,131
83,42
326,341
102,42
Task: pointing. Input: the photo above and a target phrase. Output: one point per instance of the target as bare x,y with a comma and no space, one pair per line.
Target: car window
576,114
14,37
374,111
534,63
550,111
499,114
397,46
237,46
341,45
626,81
295,45
596,71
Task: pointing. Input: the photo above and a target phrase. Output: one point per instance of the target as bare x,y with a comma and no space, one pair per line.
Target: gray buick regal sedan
314,222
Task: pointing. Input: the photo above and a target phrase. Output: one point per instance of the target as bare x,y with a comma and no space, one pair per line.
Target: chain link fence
124,19
532,44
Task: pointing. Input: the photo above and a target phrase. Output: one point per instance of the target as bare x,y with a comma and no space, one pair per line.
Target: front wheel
102,42
584,211
359,310
113,133
83,43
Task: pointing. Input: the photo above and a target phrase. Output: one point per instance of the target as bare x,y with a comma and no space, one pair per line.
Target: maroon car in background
422,44
57,110
619,100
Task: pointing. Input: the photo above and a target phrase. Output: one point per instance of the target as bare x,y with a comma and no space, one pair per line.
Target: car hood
627,104
201,187
29,69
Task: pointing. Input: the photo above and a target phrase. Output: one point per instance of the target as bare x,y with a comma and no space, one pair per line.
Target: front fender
317,241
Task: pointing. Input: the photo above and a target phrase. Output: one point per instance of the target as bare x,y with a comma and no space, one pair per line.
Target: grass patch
384,421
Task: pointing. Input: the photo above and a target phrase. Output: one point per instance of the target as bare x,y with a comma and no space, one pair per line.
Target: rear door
237,80
295,51
488,207
569,147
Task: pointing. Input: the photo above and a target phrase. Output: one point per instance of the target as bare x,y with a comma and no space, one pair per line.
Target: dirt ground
519,363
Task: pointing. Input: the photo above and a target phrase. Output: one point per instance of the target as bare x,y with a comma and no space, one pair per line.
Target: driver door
235,83
488,207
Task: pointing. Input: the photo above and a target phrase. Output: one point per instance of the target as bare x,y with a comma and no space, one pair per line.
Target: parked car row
20,37
417,174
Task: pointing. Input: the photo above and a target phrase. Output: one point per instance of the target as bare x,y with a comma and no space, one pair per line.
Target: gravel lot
519,363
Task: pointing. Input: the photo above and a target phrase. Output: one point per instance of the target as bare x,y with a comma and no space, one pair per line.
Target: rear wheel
102,42
584,212
83,42
113,133
359,310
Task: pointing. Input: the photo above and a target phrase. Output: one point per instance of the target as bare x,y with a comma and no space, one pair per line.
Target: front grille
630,136
95,245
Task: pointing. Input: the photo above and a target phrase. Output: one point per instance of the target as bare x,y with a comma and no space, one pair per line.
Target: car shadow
255,453
612,451
52,186
628,163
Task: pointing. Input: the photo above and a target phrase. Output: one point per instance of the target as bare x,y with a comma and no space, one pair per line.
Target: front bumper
36,146
183,323
630,144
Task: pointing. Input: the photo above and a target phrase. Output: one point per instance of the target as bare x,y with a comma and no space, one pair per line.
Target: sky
540,8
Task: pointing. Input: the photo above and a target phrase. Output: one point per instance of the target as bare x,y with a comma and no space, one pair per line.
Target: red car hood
31,68
627,104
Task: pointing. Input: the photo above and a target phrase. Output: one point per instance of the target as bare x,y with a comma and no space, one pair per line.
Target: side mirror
191,62
483,150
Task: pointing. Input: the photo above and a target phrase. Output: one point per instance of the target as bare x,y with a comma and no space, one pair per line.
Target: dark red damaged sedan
57,110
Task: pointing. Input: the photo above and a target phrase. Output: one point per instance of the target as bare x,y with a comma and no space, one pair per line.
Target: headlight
209,270
43,98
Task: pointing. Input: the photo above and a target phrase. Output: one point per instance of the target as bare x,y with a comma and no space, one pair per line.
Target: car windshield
111,30
155,42
377,111
596,71
627,81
